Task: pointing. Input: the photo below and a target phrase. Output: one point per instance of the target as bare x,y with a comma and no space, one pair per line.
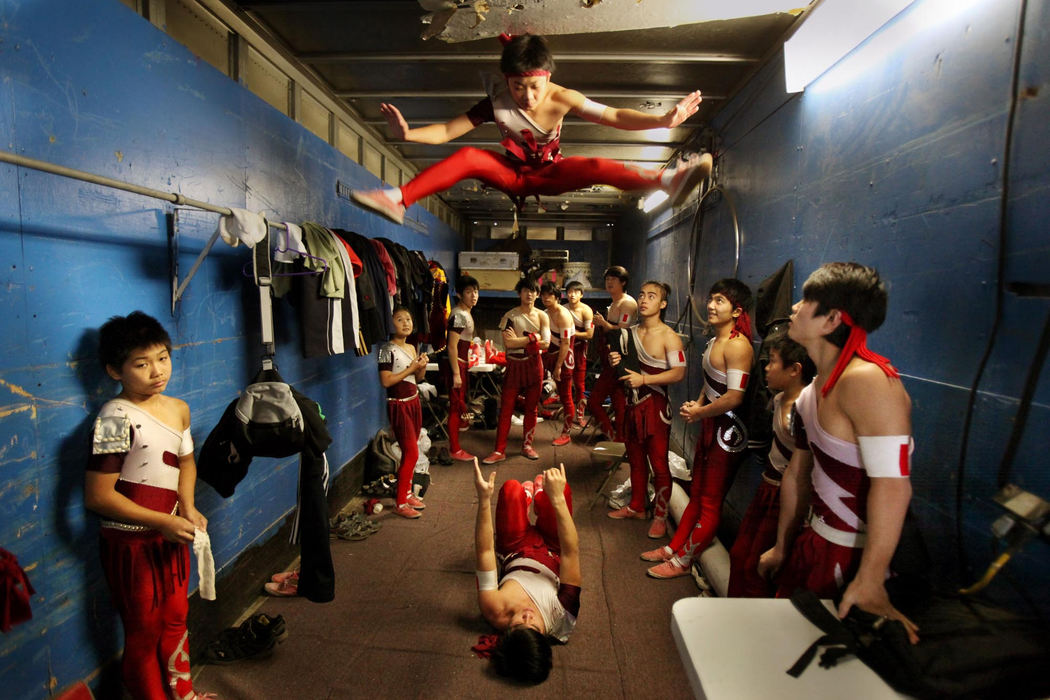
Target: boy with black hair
528,109
789,369
526,334
528,575
559,359
583,320
620,314
454,363
661,362
852,456
727,362
141,479
400,368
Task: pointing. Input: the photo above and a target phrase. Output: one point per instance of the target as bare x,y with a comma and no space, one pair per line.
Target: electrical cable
1000,272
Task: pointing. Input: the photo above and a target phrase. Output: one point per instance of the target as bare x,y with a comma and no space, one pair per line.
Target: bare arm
453,358
418,366
568,539
632,119
795,491
588,332
431,133
738,355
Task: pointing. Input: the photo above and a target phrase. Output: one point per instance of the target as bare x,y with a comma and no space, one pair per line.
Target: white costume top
394,358
542,587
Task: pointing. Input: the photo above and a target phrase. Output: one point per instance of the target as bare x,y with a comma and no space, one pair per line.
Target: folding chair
437,409
616,453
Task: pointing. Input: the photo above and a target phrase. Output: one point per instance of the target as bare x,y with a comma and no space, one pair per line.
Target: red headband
742,325
487,644
856,344
527,73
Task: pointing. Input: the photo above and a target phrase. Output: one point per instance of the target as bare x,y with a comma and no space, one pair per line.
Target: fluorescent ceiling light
830,31
654,200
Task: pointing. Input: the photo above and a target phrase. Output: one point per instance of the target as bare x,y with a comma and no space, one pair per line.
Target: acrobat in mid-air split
528,109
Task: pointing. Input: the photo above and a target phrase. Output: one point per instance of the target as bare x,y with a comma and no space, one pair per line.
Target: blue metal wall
93,86
896,158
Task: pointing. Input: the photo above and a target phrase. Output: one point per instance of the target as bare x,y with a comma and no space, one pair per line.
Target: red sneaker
407,511
416,502
285,575
529,453
494,458
658,529
669,569
658,554
462,455
378,202
285,589
564,439
626,513
538,481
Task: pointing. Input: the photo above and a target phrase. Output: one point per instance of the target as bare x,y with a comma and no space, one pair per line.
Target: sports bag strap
836,634
262,273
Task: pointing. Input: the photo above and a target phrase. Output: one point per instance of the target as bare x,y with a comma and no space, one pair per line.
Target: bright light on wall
654,200
829,32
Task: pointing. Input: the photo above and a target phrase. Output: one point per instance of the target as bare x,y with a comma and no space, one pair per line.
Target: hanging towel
289,243
242,226
205,564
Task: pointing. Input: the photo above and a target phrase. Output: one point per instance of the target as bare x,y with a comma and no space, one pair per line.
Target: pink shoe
538,481
626,513
284,589
285,575
529,453
688,176
530,489
564,439
494,458
378,202
416,502
407,511
462,455
658,554
669,569
658,529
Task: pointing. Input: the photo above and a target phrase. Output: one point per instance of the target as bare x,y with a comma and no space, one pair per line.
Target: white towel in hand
242,226
205,564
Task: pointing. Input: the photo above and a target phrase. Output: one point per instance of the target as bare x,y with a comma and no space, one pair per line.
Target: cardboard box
503,280
481,260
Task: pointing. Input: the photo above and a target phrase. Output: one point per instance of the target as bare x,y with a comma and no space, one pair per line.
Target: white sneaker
688,175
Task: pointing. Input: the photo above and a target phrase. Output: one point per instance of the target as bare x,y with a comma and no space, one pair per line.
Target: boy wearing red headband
727,364
528,109
853,450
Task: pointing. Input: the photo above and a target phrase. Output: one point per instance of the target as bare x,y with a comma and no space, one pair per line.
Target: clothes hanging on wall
440,307
415,287
373,301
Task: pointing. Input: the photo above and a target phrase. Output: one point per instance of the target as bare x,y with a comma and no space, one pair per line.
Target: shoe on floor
658,529
285,575
376,201
529,453
407,511
564,439
688,176
626,513
462,455
284,589
444,457
494,458
658,554
669,569
416,502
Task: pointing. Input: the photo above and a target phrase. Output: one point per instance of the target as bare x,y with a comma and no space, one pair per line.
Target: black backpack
967,648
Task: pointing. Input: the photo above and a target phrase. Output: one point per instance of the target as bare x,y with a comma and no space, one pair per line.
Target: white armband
676,358
886,455
592,111
588,324
736,379
487,580
545,335
567,333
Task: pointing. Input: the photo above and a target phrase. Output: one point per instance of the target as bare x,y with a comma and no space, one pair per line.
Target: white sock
394,194
677,561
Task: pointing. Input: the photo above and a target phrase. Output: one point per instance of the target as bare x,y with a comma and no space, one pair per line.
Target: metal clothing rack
263,282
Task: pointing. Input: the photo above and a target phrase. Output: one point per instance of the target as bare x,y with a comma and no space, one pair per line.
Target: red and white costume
531,555
148,576
608,384
826,555
713,464
648,430
462,323
564,379
579,352
758,529
405,413
533,165
524,376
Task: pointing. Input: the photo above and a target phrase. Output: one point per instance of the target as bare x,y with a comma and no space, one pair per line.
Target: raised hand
484,488
397,124
685,108
554,481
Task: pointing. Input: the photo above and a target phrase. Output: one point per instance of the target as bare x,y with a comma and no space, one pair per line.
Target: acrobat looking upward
528,109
